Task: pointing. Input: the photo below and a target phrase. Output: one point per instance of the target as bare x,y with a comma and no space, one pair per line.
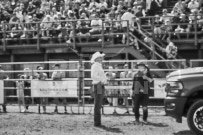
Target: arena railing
194,23
196,63
76,80
32,35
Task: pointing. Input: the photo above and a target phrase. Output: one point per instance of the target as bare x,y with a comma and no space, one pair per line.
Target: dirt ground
32,123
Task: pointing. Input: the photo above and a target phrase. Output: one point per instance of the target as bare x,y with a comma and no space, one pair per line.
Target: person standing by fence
98,80
27,90
20,92
57,75
124,92
141,88
42,76
2,77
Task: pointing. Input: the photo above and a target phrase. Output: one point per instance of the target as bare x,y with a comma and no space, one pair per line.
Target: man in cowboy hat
98,80
141,91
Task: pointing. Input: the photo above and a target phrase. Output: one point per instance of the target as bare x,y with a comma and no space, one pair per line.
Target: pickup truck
185,97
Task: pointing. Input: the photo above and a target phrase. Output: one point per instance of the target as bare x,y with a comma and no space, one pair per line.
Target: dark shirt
138,78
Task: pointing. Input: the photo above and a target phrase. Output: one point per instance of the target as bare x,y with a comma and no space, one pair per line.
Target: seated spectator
63,35
183,27
25,17
31,8
171,50
154,7
179,6
39,14
45,5
103,4
96,25
16,31
192,5
93,4
165,16
83,31
140,12
14,19
167,29
157,27
46,25
83,9
185,9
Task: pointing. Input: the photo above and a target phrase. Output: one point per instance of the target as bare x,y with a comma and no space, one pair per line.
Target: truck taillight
174,88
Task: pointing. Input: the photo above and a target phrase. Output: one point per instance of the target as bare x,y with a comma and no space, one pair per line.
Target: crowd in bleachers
181,19
17,15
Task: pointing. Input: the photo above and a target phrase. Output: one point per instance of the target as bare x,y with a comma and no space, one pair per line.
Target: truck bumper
174,107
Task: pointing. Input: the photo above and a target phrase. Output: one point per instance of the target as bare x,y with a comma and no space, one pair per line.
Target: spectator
3,76
37,3
171,50
46,25
110,77
155,6
39,14
25,17
192,5
31,8
42,76
179,6
16,31
167,29
58,75
27,85
165,16
45,5
157,26
20,92
103,4
83,31
183,26
129,17
83,9
124,74
93,4
96,25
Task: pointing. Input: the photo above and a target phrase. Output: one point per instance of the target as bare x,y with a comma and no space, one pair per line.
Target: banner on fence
1,92
159,87
54,88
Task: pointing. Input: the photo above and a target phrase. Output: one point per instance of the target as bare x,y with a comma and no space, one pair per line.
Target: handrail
74,28
146,45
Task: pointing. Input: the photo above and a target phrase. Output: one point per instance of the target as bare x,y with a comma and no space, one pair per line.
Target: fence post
38,37
80,79
74,34
128,33
153,27
4,38
196,43
102,34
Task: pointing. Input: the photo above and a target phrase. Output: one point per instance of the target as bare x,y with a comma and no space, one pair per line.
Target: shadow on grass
110,129
156,124
186,132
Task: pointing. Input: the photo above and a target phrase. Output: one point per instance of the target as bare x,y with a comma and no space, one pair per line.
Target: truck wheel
195,117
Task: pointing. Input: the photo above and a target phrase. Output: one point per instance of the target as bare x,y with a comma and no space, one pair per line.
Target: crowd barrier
75,87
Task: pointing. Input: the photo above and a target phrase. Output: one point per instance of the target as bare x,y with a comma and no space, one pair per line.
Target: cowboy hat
96,55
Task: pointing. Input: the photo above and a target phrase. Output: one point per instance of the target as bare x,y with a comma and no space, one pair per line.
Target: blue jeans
99,94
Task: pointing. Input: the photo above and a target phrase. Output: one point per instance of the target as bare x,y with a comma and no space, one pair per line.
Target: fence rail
82,77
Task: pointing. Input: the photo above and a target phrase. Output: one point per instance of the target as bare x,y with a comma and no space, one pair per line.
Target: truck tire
195,117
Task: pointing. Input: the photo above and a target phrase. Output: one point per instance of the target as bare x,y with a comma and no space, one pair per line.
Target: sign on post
1,92
50,88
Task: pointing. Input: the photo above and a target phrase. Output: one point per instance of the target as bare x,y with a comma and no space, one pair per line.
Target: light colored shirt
57,75
97,74
127,16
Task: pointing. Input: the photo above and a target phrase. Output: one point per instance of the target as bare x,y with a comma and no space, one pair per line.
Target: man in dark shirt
141,88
